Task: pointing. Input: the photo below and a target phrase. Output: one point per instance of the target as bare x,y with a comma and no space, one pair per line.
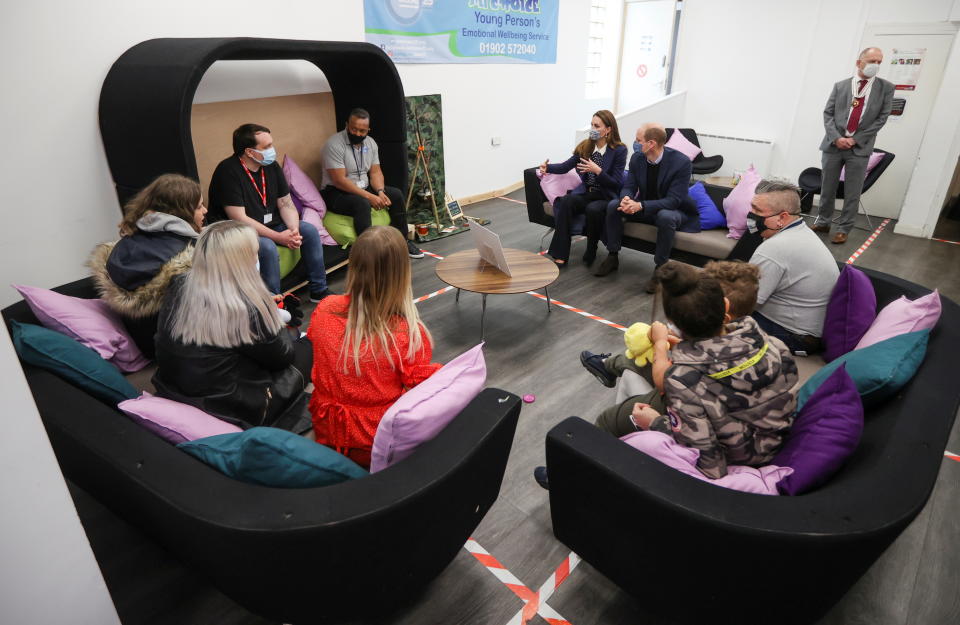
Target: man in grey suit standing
856,111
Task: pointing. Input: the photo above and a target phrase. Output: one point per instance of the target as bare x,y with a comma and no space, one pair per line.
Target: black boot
610,263
590,254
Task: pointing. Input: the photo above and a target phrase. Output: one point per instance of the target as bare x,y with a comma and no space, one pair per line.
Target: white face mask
870,69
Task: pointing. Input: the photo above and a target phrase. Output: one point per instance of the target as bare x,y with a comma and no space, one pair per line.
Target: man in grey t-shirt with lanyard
797,271
353,181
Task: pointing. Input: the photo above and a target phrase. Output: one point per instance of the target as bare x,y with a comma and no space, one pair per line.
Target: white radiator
738,152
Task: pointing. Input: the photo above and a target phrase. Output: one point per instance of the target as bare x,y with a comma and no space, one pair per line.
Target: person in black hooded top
159,228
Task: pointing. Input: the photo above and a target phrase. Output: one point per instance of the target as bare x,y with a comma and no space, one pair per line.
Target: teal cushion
879,371
273,457
341,229
76,363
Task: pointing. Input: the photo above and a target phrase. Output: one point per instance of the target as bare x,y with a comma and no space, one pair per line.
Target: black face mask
355,139
756,224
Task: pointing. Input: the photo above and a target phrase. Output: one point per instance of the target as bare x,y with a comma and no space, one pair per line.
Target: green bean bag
288,259
341,229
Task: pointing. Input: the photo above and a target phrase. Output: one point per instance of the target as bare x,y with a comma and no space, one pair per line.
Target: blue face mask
594,134
269,156
637,147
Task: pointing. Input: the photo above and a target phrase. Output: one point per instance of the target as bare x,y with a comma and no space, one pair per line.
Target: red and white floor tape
578,311
510,199
945,241
534,602
424,298
952,455
868,242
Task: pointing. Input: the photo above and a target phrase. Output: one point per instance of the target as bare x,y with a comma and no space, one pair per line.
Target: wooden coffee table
467,271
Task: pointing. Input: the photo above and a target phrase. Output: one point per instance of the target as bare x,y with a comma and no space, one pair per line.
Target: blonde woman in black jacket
221,345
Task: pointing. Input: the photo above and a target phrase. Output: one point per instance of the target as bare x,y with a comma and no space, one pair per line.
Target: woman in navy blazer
599,160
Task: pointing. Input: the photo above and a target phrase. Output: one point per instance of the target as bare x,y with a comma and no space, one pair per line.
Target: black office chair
811,180
701,164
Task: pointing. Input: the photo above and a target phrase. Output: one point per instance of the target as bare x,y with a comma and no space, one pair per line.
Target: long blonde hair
378,283
170,193
223,290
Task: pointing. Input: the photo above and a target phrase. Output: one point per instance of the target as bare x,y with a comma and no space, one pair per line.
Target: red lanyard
263,182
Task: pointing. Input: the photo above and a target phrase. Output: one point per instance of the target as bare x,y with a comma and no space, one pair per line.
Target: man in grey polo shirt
797,271
353,181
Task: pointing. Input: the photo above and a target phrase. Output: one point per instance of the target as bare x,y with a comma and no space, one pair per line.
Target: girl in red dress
369,345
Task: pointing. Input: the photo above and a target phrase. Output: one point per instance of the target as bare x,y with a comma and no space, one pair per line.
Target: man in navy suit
655,192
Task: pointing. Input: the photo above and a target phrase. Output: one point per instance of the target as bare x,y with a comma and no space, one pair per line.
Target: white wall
59,200
761,69
48,572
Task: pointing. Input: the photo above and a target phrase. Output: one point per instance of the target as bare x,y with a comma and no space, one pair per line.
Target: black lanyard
359,163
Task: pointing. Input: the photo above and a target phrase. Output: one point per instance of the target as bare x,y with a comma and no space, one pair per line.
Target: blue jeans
311,250
667,221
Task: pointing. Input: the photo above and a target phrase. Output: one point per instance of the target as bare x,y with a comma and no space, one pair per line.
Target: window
594,78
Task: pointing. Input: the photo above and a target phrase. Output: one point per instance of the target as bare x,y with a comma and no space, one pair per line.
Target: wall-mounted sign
464,31
904,66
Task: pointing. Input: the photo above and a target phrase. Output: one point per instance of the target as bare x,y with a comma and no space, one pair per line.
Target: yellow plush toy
639,347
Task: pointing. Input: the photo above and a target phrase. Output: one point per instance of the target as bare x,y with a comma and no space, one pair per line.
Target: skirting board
471,199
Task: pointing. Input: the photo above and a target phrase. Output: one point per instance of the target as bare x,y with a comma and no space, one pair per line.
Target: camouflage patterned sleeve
691,426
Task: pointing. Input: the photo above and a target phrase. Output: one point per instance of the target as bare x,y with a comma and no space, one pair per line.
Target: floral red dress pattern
347,408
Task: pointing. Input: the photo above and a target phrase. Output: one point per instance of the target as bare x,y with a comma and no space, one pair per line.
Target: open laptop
489,246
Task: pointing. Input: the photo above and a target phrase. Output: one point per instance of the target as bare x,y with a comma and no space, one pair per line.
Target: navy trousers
667,221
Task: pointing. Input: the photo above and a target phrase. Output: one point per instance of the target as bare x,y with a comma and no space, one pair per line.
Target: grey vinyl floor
531,351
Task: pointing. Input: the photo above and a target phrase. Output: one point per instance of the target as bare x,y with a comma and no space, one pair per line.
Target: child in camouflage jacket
727,389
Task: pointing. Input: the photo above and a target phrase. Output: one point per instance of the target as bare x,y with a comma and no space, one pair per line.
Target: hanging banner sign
905,68
464,31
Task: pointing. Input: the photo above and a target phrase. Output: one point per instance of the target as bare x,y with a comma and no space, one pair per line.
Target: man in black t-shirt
250,187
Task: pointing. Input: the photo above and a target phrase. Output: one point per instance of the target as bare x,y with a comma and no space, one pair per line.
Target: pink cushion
88,321
306,196
902,316
172,421
872,162
423,411
762,481
737,204
557,185
681,144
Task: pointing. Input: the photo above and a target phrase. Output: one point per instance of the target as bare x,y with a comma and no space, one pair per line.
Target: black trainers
413,250
594,364
319,297
610,264
540,474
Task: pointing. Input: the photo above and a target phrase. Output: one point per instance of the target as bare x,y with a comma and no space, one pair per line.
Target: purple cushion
88,321
737,204
558,185
681,144
306,197
852,308
762,480
423,411
172,421
902,316
824,434
872,162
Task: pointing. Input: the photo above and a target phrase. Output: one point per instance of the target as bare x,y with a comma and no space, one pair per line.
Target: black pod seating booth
353,550
699,553
147,96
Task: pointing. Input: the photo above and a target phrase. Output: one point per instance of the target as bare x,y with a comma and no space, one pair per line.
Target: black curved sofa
147,97
698,553
359,549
